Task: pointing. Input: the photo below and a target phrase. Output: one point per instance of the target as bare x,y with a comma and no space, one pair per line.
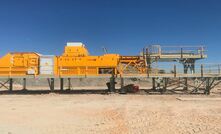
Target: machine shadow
40,92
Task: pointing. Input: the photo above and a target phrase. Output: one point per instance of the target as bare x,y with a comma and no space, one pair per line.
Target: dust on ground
109,114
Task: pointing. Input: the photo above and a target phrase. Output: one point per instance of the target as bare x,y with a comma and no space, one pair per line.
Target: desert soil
108,114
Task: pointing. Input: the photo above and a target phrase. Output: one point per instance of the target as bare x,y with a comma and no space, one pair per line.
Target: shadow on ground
36,92
100,91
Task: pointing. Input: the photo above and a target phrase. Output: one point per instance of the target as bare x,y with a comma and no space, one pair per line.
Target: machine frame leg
165,82
61,84
10,84
209,83
69,84
112,84
52,84
185,84
24,84
122,89
153,84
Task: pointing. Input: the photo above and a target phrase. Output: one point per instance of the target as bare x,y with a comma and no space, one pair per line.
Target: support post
165,81
174,70
218,68
153,83
122,82
24,84
52,84
181,53
69,83
185,68
61,84
112,84
10,84
201,70
208,87
193,68
122,89
201,52
185,84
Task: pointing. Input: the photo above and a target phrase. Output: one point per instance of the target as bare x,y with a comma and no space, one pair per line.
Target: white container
47,65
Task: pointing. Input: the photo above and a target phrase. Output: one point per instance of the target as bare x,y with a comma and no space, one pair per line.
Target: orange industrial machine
19,64
77,61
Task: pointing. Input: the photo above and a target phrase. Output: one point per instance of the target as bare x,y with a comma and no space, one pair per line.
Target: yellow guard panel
19,64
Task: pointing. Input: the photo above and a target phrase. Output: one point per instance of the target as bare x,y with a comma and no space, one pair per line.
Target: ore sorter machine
76,62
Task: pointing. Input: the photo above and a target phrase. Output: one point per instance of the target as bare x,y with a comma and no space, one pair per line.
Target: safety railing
177,70
175,50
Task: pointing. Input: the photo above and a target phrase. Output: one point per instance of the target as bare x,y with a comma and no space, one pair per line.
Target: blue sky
122,26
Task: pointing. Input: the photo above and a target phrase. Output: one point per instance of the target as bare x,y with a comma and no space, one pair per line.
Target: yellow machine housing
75,50
19,64
77,61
